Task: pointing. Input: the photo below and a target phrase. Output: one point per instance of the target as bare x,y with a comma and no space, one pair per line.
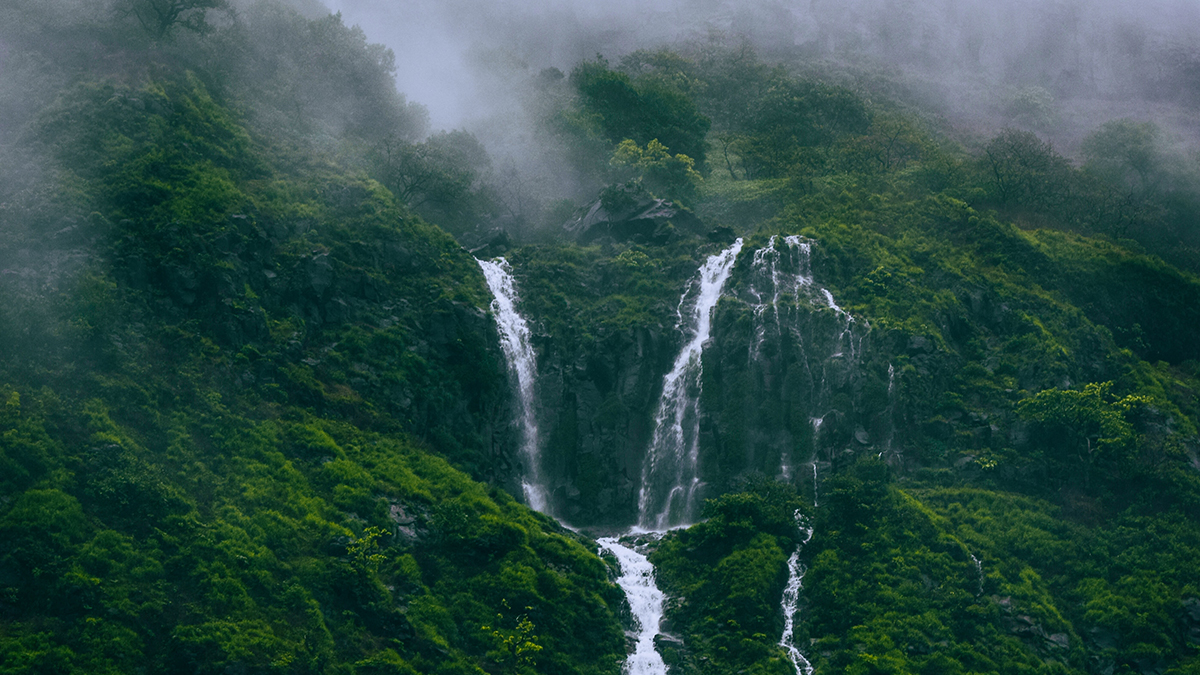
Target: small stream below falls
791,601
646,603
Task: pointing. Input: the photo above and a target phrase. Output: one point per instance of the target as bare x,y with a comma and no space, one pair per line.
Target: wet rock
1191,617
642,218
182,283
919,344
319,273
1059,640
721,235
490,244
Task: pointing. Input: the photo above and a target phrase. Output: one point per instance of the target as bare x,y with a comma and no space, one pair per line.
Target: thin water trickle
890,412
646,603
815,479
782,281
670,476
979,571
791,600
522,362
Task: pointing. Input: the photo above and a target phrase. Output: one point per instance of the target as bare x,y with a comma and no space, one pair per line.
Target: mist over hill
860,334
1057,67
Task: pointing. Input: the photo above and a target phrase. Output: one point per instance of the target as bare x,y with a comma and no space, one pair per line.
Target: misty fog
1059,68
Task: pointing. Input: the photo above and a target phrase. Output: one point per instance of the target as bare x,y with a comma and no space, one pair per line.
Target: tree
795,122
1025,170
891,142
1127,153
1083,428
442,178
671,176
160,17
514,649
643,111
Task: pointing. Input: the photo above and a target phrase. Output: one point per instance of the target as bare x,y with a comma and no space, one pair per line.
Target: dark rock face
1191,619
641,219
487,245
597,403
782,391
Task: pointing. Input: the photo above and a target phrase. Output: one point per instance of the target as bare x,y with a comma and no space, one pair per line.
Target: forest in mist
869,326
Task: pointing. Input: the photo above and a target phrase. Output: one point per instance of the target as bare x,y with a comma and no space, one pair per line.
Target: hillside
256,416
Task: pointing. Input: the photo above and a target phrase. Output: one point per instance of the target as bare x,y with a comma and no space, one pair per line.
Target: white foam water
670,475
646,602
791,601
979,572
522,362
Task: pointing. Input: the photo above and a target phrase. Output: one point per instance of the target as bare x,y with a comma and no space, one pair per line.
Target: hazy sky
441,44
1094,56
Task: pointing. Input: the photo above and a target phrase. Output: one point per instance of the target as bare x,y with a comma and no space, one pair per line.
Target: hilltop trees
441,178
160,18
642,110
1127,153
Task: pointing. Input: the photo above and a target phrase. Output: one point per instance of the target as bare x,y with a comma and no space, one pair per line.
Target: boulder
640,218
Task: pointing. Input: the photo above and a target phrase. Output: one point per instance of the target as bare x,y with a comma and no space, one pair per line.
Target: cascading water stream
791,600
646,603
816,422
805,323
890,413
522,362
670,476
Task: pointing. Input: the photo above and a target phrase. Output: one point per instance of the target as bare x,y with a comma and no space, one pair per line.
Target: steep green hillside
1025,396
254,416
236,374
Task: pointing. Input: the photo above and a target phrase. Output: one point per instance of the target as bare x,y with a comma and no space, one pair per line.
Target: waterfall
815,479
797,323
791,600
979,571
890,413
646,602
772,270
522,362
816,422
670,476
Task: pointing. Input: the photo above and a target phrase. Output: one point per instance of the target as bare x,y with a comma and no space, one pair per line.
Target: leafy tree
643,111
442,178
1127,153
671,176
795,122
514,648
1088,425
1032,106
891,142
160,17
1024,170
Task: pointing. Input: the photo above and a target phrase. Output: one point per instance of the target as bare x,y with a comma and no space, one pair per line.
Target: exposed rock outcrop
637,217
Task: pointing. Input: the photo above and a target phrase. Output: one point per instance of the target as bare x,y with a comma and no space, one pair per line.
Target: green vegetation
1044,378
199,539
228,357
253,416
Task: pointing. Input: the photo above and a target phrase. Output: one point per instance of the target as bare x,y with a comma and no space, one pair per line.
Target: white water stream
791,600
522,362
979,572
646,602
670,475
